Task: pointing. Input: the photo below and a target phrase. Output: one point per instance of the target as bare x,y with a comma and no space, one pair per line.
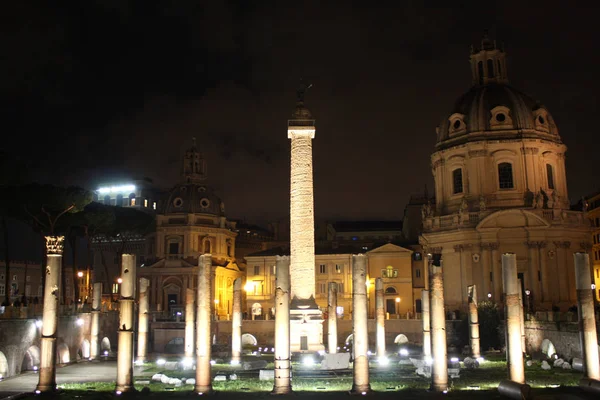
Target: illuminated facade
500,186
401,267
190,223
593,214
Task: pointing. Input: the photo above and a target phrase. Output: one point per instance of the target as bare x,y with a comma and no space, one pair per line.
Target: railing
472,219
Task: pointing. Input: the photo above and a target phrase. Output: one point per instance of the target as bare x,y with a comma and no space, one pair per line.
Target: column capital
433,250
585,246
55,244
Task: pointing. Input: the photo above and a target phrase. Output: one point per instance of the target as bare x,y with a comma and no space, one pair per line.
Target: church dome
193,198
492,109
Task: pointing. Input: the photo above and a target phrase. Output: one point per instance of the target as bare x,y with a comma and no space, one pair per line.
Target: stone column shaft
125,333
189,343
143,306
513,318
474,323
439,373
426,322
283,381
236,323
95,328
380,314
332,317
47,379
360,335
203,326
587,318
302,232
497,273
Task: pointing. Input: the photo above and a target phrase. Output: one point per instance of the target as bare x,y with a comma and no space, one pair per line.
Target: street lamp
490,295
398,299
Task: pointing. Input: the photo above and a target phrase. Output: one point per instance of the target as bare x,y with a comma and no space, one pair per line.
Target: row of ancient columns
433,324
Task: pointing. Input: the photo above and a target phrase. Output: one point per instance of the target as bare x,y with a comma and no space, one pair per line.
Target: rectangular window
145,202
550,175
384,273
14,277
322,288
457,181
173,248
132,202
395,273
340,287
154,206
322,269
256,270
2,277
338,269
505,176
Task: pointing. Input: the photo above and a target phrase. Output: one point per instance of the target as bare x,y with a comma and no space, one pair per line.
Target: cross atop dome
488,63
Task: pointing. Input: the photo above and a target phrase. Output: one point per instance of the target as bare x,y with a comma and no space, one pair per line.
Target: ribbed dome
193,199
495,111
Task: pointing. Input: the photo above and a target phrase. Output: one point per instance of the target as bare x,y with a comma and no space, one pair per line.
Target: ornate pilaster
545,283
533,271
562,272
464,276
486,263
496,272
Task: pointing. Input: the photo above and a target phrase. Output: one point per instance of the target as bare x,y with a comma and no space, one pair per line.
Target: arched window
390,290
480,71
550,174
490,67
457,181
505,176
132,199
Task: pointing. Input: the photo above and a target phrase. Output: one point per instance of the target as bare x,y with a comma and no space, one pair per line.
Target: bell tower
193,167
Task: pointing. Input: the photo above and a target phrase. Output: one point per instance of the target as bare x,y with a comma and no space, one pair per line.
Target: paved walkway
73,373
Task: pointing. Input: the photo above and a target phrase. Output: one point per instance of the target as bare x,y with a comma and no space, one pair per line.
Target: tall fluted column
513,318
332,317
125,339
302,221
236,323
54,250
380,314
587,318
545,283
189,344
203,326
522,316
497,273
143,308
474,322
360,335
95,328
283,367
426,322
439,373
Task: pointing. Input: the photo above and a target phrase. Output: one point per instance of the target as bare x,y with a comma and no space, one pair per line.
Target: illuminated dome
193,199
492,109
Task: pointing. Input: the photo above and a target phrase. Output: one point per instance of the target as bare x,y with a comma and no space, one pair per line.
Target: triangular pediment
389,248
517,218
178,263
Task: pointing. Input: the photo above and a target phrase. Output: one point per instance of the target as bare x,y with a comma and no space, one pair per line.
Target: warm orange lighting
398,299
216,301
119,280
80,274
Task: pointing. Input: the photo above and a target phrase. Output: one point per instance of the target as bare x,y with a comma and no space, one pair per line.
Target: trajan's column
306,320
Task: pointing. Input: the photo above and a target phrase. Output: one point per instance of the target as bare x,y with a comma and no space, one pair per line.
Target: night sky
101,91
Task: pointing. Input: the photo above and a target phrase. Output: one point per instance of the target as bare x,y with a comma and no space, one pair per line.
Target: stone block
233,377
424,370
220,378
470,363
255,364
566,365
164,379
335,361
545,365
171,365
190,381
559,362
266,375
454,372
157,377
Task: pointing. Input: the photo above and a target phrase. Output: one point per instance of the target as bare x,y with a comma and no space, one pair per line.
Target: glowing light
454,359
120,280
398,299
117,189
321,352
527,292
212,362
161,361
80,274
383,361
489,295
593,286
445,391
403,352
105,352
216,301
429,360
369,352
308,361
273,349
339,310
187,362
79,322
554,386
38,392
179,313
249,287
35,368
364,393
118,392
480,360
235,362
38,323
